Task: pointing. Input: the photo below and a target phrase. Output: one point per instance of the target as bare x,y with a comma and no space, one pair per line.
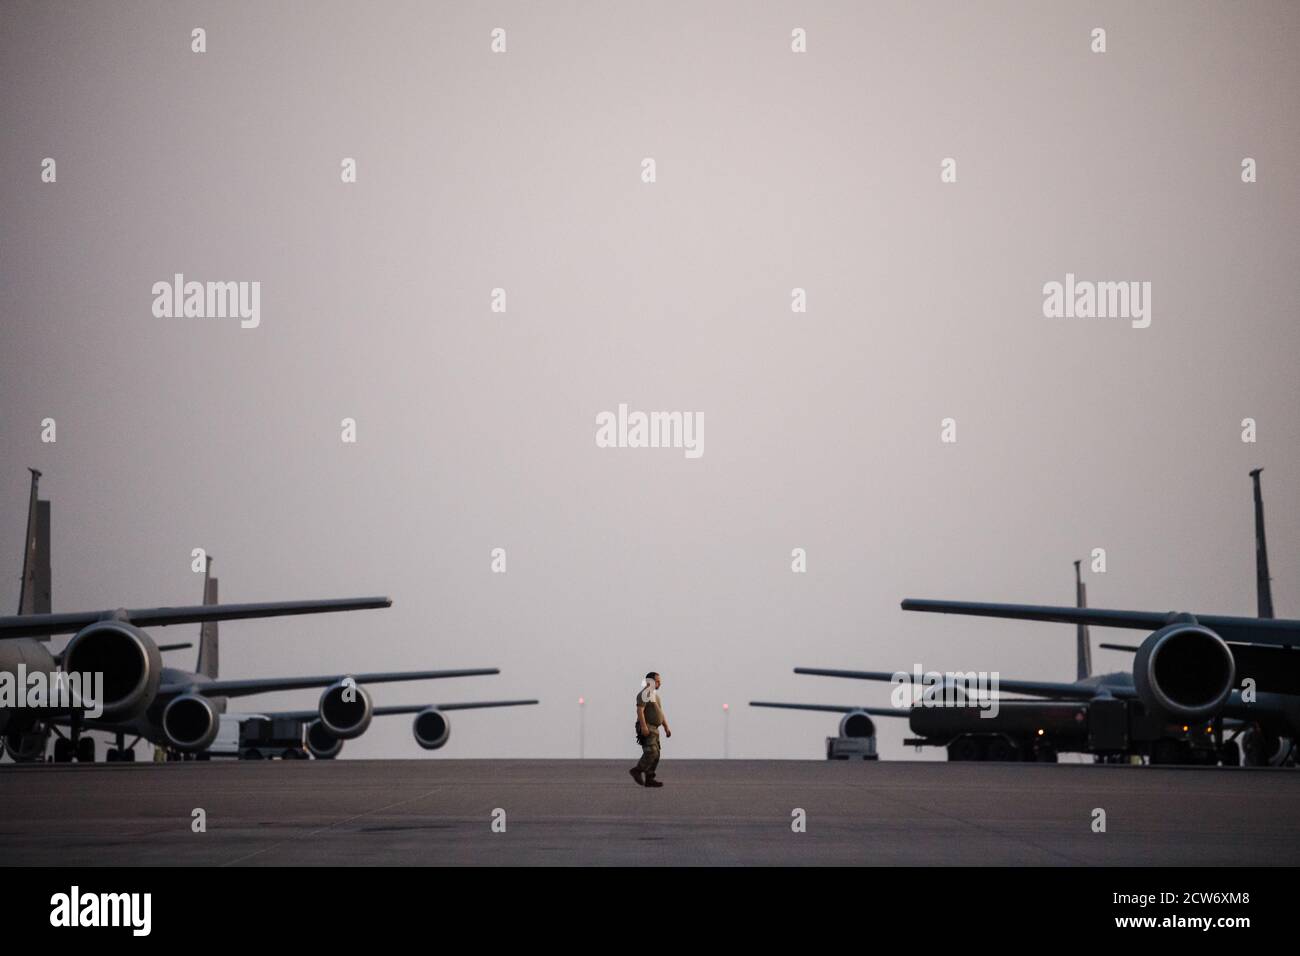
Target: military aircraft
323,740
1193,678
141,697
1020,729
431,727
1199,667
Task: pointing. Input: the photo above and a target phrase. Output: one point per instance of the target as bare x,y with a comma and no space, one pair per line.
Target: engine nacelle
322,744
346,709
1263,748
1184,670
857,724
126,656
431,728
27,744
190,722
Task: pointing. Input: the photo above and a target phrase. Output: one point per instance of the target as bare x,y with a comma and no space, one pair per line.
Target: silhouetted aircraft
324,741
1020,729
141,697
431,727
1174,706
1198,667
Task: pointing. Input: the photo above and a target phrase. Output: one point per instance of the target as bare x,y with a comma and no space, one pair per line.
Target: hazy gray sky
775,170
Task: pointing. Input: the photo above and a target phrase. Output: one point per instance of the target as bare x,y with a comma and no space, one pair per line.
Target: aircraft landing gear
1045,753
966,747
121,753
1259,748
999,748
74,746
1002,750
1168,752
1230,754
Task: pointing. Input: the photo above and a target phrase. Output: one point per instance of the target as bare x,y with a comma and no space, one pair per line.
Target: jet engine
1263,748
126,656
431,728
1184,671
191,722
27,744
856,724
346,709
322,744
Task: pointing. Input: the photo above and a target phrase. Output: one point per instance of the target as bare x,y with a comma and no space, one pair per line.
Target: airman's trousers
649,752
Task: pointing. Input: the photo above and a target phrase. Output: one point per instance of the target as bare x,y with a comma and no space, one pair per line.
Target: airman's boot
650,781
636,775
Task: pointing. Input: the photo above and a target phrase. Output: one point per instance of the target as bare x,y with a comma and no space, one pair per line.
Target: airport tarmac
710,812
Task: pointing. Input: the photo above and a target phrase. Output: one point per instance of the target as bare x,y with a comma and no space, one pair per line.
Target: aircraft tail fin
1082,639
209,658
35,594
1263,583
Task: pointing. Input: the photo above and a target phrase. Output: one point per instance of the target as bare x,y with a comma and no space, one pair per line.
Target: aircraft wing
38,625
837,708
1036,688
466,705
1242,630
393,709
264,685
